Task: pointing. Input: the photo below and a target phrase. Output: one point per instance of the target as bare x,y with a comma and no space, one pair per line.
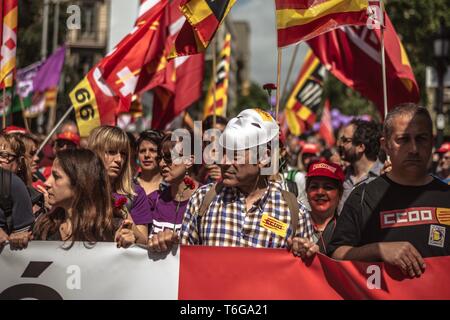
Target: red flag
122,67
188,89
326,128
177,82
352,54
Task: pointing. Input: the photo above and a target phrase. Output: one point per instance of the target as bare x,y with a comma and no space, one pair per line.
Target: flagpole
214,80
55,128
291,66
277,107
25,119
5,107
383,60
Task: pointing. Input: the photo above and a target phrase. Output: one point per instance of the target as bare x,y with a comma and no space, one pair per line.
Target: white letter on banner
74,280
374,281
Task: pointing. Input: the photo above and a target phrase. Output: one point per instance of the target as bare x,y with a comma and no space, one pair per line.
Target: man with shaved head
404,215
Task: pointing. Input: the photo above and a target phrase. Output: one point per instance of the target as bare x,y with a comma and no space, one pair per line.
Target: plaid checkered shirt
228,223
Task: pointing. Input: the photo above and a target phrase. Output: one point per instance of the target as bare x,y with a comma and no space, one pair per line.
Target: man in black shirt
404,215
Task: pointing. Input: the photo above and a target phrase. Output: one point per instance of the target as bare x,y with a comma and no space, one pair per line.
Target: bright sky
261,16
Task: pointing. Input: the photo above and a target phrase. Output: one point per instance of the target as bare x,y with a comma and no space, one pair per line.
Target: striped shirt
228,223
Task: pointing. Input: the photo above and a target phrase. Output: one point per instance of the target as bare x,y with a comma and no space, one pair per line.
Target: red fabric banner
272,274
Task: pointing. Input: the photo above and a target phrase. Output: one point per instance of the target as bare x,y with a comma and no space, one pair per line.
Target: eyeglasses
168,158
345,140
7,157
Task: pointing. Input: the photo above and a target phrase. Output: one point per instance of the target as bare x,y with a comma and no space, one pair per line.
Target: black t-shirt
384,211
22,214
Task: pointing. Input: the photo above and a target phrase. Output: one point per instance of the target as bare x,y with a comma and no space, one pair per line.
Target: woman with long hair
82,208
149,176
168,206
111,144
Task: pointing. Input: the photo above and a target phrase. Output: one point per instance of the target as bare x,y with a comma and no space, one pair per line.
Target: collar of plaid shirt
228,223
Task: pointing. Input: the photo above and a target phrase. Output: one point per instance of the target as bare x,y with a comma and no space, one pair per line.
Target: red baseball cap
445,147
326,169
14,129
310,148
70,136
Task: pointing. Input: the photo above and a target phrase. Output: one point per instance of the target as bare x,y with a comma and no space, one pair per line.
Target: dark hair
153,136
208,121
406,109
367,133
168,144
92,217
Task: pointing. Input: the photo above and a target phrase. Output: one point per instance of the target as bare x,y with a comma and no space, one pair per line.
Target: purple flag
49,73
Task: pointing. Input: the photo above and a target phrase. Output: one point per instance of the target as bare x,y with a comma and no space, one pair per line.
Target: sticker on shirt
407,217
276,226
443,215
437,236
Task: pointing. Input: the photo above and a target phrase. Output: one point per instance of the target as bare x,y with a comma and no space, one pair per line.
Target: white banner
47,271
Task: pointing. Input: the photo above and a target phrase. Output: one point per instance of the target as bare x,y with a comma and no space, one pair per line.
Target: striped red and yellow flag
8,35
306,96
300,20
203,19
222,80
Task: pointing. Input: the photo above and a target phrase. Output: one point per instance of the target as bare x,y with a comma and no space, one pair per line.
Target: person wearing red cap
443,169
64,140
324,191
14,129
309,153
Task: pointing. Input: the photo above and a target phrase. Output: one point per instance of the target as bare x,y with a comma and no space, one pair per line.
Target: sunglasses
7,157
167,158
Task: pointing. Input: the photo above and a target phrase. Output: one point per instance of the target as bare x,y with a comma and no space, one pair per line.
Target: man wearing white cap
245,209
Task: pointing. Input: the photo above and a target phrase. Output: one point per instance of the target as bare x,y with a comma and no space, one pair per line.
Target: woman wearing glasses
21,151
149,176
16,215
168,206
12,157
112,145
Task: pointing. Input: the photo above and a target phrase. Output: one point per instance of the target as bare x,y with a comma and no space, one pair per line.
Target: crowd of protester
380,194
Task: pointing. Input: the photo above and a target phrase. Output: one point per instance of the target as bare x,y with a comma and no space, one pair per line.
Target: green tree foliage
416,22
257,98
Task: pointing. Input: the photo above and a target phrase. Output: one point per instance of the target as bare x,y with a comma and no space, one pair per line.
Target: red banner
272,274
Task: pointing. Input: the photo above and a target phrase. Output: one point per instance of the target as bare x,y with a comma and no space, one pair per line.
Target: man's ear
384,144
361,148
